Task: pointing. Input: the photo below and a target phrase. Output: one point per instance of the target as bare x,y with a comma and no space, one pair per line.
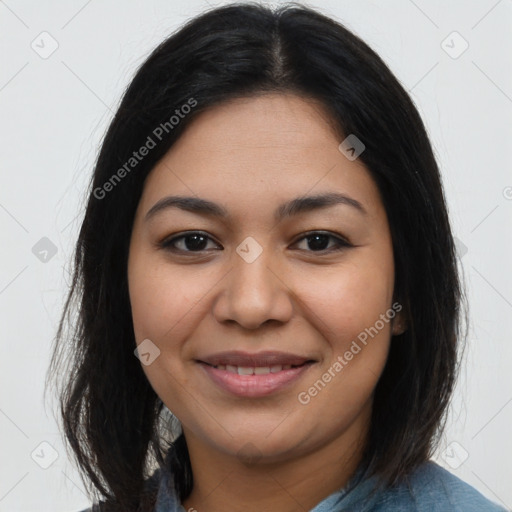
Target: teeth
247,370
261,370
278,368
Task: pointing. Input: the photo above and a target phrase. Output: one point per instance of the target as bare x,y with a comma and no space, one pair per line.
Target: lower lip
254,385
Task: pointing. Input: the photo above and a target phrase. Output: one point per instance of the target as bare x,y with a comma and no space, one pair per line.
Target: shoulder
155,482
432,488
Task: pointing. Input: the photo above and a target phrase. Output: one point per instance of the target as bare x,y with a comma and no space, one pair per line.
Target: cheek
168,303
351,299
354,306
162,299
163,304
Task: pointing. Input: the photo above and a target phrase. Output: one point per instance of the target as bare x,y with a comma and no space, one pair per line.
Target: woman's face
251,281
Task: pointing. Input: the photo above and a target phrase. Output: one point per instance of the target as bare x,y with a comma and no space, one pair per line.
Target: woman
218,341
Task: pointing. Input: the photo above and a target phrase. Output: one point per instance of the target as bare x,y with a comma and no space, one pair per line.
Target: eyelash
341,243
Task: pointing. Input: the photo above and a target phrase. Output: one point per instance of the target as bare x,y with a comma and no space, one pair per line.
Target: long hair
113,420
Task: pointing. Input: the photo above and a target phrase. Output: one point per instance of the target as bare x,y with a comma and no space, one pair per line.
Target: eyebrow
285,210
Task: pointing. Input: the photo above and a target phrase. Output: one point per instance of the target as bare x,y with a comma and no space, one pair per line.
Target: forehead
258,150
285,121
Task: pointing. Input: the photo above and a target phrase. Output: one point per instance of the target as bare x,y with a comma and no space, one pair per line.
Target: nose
254,293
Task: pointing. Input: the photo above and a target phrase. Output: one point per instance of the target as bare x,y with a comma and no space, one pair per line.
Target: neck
223,482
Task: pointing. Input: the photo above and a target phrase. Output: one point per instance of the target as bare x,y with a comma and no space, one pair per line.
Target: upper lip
259,359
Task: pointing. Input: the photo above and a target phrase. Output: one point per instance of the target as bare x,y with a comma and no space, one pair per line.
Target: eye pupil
197,244
320,246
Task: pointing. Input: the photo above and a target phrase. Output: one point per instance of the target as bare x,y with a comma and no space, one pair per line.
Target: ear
399,325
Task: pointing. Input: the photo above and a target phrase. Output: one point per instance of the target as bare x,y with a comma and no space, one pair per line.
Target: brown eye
194,241
319,242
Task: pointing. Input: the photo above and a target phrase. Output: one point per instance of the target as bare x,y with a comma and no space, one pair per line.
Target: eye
318,241
193,241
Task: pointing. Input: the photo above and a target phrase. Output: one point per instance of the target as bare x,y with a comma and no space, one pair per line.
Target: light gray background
54,112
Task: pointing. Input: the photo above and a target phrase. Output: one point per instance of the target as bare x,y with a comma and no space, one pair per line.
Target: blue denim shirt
429,489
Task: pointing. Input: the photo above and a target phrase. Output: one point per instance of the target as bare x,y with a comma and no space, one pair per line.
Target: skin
250,155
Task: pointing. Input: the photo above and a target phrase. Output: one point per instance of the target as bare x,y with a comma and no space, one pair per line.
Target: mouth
256,370
263,359
254,381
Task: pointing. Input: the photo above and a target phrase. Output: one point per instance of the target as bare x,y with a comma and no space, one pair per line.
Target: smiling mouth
254,381
256,370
